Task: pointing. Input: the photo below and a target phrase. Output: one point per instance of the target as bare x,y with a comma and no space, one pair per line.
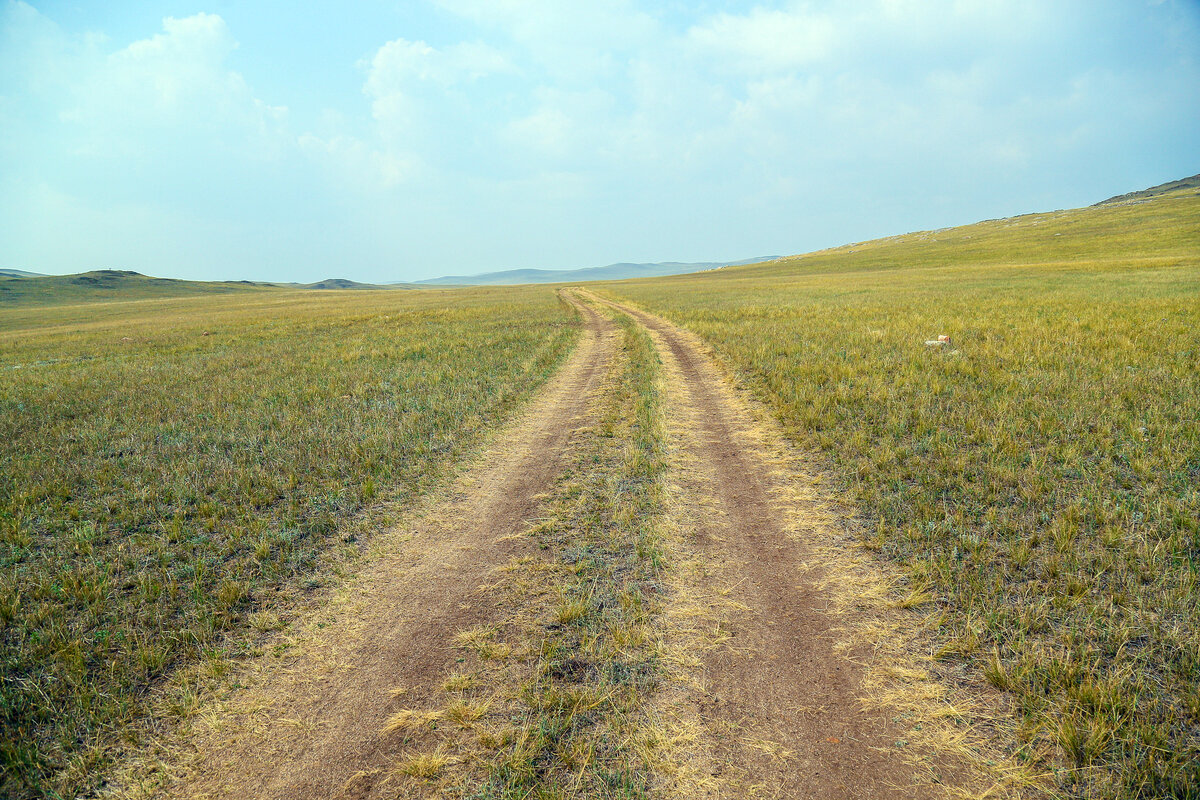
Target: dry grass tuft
464,714
426,766
459,682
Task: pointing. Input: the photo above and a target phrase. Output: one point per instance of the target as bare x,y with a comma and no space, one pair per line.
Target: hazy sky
398,140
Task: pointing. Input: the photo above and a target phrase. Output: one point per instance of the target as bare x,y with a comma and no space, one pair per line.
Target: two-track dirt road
778,705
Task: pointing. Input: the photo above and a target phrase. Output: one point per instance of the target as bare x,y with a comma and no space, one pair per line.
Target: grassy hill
345,283
108,285
1037,479
1154,191
1168,228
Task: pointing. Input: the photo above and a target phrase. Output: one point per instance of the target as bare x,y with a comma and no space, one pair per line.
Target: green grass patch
1040,475
167,464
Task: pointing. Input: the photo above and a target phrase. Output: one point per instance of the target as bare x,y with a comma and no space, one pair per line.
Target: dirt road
777,704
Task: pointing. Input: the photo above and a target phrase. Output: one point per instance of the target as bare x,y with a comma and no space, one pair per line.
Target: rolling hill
1154,191
107,285
342,283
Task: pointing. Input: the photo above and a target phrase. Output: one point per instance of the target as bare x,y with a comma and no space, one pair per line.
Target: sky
391,141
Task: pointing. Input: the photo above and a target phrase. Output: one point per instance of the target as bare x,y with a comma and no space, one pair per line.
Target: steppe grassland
169,464
1039,478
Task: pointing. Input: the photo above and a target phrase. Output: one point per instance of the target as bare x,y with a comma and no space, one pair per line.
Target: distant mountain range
20,286
111,280
612,272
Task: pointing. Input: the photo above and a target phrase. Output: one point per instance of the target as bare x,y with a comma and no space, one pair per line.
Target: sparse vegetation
169,464
1039,477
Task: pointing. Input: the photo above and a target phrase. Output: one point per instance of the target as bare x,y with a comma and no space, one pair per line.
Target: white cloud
564,126
399,62
417,91
555,131
764,41
169,90
539,23
31,50
548,132
358,167
575,42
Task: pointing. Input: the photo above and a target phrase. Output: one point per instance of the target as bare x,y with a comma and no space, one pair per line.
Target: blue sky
393,141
